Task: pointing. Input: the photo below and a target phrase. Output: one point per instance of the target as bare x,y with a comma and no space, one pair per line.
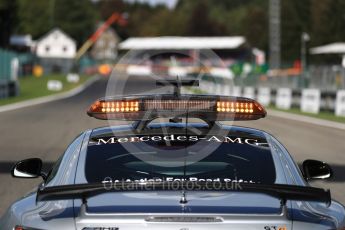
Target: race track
45,130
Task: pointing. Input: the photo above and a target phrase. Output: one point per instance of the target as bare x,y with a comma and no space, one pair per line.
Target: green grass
195,90
326,115
31,87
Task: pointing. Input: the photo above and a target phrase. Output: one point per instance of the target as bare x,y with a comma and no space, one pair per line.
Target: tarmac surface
45,131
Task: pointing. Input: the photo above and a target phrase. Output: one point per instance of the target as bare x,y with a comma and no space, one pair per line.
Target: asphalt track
45,130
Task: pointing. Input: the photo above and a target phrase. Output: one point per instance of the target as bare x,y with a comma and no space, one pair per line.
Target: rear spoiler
281,191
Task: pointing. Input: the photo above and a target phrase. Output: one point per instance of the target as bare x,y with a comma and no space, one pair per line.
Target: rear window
179,157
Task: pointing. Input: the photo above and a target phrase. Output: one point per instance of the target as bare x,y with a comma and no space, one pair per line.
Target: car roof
170,127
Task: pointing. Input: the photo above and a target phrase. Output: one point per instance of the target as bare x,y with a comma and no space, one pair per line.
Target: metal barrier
3,89
307,100
6,58
10,63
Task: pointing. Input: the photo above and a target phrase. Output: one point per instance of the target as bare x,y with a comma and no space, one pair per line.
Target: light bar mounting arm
177,84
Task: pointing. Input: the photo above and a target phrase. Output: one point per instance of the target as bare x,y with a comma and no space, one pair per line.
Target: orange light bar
210,108
239,109
102,109
235,107
115,106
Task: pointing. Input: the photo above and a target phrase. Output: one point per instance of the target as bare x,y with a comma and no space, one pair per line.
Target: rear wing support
283,208
284,213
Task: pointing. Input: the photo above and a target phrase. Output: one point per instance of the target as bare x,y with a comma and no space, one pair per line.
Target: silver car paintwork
68,214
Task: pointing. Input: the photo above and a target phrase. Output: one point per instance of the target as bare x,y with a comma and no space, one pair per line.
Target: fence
328,92
326,78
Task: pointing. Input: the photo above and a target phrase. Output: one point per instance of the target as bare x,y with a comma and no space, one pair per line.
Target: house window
64,49
101,43
47,49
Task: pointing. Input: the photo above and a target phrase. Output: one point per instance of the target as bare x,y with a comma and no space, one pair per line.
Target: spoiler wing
281,191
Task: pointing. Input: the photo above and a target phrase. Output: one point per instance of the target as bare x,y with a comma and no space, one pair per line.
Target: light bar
119,106
235,107
179,105
206,107
114,109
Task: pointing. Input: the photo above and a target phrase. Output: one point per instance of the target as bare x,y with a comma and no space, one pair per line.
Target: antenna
183,198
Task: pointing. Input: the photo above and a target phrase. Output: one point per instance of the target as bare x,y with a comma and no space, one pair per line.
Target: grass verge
31,87
326,115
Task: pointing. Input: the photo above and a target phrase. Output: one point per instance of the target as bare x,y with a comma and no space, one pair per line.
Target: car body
117,154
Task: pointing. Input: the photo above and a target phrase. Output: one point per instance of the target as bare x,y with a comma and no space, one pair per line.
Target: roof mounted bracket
177,84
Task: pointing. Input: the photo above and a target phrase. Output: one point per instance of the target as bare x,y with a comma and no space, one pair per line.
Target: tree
328,27
201,24
8,20
324,20
334,21
255,27
33,17
76,17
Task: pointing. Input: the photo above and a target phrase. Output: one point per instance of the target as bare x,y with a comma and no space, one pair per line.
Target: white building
337,48
105,48
56,44
56,51
182,43
175,55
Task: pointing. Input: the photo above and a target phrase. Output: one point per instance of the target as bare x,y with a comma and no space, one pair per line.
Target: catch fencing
321,89
325,78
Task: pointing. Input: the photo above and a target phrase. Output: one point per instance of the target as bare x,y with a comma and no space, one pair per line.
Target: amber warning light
206,107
